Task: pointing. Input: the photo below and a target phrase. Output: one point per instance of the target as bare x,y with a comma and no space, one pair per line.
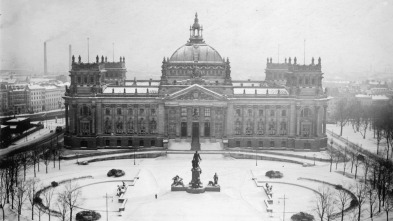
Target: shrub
302,217
115,172
54,184
87,215
274,174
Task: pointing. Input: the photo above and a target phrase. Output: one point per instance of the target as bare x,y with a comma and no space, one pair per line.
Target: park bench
123,206
268,206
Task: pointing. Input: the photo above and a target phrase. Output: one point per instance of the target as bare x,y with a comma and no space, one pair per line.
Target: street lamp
256,159
314,159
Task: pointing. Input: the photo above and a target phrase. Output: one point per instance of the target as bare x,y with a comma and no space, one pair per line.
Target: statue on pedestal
196,171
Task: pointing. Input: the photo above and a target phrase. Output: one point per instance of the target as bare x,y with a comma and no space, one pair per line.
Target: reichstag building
195,97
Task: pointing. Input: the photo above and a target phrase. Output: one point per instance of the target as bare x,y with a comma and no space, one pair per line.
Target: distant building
37,98
53,97
4,109
19,99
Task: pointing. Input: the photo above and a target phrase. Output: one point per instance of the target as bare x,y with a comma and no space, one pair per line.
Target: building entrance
184,129
207,129
195,129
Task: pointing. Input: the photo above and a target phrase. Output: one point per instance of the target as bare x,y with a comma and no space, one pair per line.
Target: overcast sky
349,36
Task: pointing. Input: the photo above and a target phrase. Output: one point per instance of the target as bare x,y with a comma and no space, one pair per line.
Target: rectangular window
260,143
153,143
79,80
130,143
91,80
107,111
183,111
107,142
118,143
153,111
237,143
249,144
283,144
141,111
119,111
207,112
141,143
272,113
271,143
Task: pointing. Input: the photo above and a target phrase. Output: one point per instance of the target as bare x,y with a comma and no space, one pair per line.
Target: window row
120,111
85,80
195,112
260,112
261,144
260,129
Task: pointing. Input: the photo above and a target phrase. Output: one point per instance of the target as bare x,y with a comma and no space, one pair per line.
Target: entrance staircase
184,144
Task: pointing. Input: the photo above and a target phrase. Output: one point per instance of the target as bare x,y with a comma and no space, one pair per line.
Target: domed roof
190,53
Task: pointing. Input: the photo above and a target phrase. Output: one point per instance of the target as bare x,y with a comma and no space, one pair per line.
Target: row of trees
363,199
376,182
20,192
378,117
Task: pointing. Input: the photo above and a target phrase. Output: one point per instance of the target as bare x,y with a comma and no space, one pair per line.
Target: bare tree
344,200
341,114
372,199
2,190
360,192
323,202
71,196
62,207
38,211
48,196
46,155
20,196
33,185
388,205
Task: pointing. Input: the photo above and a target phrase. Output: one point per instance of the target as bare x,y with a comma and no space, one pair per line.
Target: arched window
249,112
306,112
238,127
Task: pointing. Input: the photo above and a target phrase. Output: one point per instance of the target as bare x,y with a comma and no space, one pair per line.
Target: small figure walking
156,195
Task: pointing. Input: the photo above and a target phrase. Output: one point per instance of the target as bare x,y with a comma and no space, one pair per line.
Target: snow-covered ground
369,143
240,198
183,144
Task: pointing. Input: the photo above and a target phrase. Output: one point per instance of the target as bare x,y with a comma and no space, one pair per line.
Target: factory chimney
69,58
45,63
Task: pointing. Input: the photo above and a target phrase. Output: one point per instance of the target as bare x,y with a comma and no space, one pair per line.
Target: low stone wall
251,156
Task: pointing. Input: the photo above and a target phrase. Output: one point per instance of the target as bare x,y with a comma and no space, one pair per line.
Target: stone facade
195,96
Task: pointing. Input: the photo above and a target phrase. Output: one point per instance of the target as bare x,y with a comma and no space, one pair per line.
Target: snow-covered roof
130,90
261,91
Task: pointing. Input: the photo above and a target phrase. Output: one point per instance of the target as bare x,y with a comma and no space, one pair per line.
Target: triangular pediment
195,92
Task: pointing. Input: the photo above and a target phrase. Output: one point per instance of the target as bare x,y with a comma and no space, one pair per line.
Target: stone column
66,116
76,121
316,122
292,120
324,119
297,120
93,114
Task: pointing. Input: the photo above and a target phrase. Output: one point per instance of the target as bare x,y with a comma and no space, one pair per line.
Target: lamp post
314,159
256,159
